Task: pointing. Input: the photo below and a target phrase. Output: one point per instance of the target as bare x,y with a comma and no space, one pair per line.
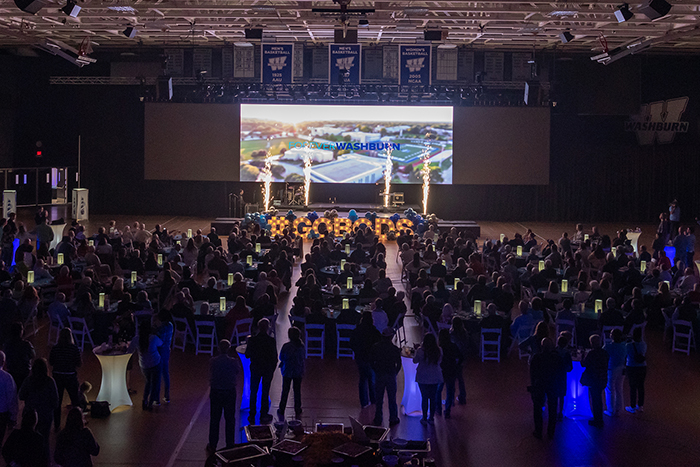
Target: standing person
75,444
26,446
261,349
460,337
39,393
149,361
617,350
567,365
65,359
8,399
224,369
451,365
19,354
164,331
595,376
386,363
362,339
545,368
636,371
292,358
428,376
674,215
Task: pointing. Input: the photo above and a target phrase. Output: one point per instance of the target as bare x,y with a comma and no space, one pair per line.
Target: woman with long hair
39,393
75,444
190,253
533,344
65,359
429,377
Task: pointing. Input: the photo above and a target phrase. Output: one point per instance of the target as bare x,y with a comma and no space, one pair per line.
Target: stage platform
472,230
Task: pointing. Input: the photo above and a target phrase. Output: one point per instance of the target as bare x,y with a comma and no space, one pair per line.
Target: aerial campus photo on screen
346,143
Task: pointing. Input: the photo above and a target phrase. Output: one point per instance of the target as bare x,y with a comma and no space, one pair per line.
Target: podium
80,204
9,202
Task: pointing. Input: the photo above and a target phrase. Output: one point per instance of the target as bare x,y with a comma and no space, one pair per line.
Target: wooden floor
493,429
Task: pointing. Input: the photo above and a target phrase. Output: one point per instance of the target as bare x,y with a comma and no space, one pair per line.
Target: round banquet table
411,401
245,393
113,388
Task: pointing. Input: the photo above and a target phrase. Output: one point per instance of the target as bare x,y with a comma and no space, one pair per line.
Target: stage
472,230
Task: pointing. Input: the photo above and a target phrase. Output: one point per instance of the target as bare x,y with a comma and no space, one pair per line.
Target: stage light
655,9
364,22
623,13
71,9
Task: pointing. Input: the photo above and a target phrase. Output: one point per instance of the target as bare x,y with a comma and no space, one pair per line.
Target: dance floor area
494,428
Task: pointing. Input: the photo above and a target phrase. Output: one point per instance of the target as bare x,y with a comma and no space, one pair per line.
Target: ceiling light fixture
623,13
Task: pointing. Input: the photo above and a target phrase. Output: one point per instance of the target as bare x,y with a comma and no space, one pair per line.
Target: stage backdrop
191,142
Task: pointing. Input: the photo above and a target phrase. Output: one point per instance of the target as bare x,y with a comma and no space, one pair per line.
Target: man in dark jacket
544,369
386,363
363,337
262,352
595,376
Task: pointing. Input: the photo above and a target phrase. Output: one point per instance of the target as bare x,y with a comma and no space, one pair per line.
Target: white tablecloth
113,388
411,401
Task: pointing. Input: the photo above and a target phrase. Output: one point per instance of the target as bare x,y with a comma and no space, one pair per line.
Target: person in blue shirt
617,350
292,359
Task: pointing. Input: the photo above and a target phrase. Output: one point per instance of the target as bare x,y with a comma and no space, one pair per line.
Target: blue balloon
395,218
312,216
268,216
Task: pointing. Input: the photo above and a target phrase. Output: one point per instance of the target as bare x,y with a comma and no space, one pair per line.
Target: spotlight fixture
363,22
71,9
130,32
566,36
623,13
655,9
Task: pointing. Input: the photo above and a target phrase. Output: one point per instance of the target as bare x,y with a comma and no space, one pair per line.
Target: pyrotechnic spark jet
307,173
387,176
425,156
267,179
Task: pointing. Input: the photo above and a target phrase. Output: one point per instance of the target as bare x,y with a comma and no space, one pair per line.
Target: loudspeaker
435,35
350,36
532,92
130,32
623,14
655,9
566,36
254,34
30,6
164,88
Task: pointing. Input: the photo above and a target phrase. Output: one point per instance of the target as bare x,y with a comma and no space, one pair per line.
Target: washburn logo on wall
344,63
415,64
659,121
277,63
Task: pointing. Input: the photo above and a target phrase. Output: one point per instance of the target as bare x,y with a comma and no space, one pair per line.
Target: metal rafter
502,24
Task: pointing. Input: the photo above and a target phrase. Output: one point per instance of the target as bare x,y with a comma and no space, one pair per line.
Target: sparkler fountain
307,173
387,176
267,179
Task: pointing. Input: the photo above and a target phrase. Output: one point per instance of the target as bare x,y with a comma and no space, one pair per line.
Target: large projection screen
345,143
197,142
501,145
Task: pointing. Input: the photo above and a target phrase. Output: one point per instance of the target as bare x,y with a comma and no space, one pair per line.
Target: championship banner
415,65
344,63
9,202
277,63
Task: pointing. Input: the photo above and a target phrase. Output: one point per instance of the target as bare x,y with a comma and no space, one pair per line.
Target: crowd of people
446,277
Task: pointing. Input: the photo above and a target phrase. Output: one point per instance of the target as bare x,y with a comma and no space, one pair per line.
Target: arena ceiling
487,25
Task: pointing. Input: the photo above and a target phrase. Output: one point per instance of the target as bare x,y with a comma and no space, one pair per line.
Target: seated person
612,316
